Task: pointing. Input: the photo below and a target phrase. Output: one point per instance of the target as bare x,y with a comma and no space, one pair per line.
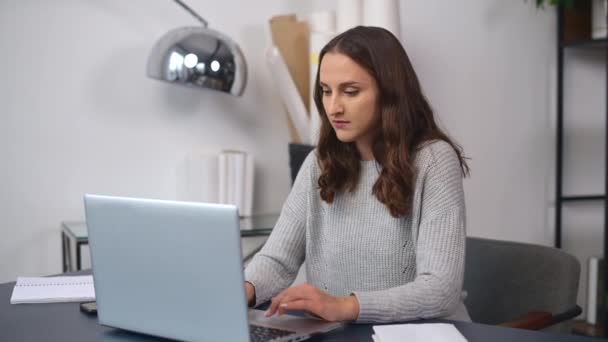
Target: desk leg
67,258
64,260
78,260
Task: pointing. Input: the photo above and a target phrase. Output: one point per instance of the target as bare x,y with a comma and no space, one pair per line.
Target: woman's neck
365,151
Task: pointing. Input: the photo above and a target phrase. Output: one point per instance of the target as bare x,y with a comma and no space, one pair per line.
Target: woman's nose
334,106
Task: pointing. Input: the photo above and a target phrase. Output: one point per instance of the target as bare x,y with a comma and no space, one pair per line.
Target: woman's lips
340,123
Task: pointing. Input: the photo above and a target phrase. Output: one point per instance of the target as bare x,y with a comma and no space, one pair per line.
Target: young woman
377,210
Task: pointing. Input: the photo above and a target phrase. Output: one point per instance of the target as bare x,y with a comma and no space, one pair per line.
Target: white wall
490,73
486,67
78,114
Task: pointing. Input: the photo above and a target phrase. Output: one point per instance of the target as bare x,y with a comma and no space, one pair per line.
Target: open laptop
174,269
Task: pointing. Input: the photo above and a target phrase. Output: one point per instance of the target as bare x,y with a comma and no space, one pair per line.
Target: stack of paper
53,290
290,36
236,177
226,178
436,332
595,289
197,178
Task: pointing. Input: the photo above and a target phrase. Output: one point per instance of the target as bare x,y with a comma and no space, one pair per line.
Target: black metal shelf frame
586,43
583,198
560,198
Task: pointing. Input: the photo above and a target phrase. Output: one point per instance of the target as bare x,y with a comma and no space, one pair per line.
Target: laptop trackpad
290,322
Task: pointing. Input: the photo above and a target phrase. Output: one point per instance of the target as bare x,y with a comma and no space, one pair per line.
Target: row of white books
595,289
225,178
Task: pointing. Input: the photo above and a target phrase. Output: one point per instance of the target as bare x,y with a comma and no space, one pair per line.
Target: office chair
520,285
297,154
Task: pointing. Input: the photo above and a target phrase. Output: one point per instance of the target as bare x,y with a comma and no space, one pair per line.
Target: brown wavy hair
406,122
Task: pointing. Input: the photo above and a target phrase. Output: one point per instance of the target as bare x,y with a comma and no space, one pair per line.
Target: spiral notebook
53,289
422,332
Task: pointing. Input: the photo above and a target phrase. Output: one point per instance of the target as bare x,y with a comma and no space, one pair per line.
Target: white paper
222,161
599,11
322,21
231,177
322,30
317,41
436,332
53,289
289,93
198,178
239,180
349,14
249,188
593,269
382,13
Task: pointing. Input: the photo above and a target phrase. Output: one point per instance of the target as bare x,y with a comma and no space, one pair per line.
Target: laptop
175,270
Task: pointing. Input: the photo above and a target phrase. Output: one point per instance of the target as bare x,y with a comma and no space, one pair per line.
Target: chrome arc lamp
198,57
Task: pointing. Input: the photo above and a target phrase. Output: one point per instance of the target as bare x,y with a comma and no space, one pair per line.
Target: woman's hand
314,301
250,293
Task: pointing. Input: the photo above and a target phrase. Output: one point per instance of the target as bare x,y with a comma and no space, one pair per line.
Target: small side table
73,232
254,230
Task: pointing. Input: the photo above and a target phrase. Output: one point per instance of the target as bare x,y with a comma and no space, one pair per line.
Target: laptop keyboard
262,334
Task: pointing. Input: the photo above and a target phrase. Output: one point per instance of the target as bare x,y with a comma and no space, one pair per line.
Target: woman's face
350,99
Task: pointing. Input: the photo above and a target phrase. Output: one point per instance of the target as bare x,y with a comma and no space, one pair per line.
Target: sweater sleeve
440,251
276,266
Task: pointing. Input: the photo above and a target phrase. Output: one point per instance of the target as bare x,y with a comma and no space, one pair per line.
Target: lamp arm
192,12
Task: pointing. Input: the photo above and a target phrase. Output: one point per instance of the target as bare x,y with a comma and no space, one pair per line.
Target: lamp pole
192,12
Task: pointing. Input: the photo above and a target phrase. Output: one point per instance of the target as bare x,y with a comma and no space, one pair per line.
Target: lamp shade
199,57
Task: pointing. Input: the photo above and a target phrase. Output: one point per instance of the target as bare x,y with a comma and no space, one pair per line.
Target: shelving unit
586,43
561,199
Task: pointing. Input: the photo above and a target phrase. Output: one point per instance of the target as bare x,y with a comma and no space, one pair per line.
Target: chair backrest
505,280
297,154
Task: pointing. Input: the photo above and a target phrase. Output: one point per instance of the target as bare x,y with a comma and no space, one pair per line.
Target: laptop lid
170,269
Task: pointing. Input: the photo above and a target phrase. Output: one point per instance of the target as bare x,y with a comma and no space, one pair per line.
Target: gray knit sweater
399,269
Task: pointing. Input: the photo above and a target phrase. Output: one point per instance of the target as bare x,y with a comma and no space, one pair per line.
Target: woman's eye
325,92
351,92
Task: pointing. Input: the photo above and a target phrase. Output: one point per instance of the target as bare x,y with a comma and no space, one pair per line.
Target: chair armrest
531,321
566,315
541,319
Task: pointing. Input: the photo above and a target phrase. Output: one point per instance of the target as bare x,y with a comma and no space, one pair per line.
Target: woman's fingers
274,305
316,302
302,291
280,298
299,304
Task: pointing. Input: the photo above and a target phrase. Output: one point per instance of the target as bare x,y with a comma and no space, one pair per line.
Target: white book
249,180
594,289
204,178
53,289
230,179
222,161
239,180
198,178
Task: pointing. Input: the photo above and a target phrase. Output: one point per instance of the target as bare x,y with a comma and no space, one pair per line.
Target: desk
75,232
65,322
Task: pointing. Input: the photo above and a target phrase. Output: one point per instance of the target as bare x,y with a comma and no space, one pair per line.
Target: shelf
583,198
572,23
586,329
586,44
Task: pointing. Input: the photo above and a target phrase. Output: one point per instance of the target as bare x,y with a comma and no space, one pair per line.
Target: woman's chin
345,138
